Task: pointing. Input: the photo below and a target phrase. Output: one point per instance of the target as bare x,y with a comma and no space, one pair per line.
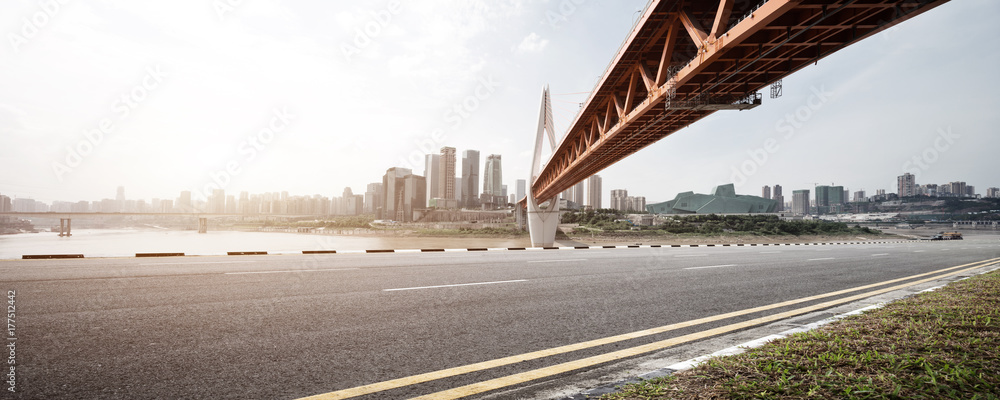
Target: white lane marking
455,285
289,271
692,255
552,261
770,252
713,266
821,259
202,262
919,251
880,254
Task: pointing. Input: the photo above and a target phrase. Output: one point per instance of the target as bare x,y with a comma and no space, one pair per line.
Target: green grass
938,345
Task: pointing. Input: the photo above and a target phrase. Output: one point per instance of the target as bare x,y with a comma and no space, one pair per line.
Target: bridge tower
543,214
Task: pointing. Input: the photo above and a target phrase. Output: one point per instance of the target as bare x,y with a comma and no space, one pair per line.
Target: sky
311,97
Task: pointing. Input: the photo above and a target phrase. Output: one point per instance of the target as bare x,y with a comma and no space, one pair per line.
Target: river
128,242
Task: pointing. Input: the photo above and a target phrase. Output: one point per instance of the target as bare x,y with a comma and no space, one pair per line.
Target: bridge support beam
202,225
543,214
65,227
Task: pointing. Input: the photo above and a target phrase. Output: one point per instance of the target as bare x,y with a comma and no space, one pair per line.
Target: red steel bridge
686,59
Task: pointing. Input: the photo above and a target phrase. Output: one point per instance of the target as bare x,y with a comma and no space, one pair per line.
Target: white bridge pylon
543,214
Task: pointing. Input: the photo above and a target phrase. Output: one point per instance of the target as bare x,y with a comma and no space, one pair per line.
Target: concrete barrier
49,256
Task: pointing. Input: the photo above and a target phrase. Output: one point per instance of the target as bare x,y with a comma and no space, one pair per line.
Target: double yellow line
527,376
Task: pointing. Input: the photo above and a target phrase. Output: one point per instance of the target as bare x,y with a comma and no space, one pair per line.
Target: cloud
532,44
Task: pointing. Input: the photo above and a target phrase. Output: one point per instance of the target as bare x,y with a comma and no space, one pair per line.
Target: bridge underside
687,59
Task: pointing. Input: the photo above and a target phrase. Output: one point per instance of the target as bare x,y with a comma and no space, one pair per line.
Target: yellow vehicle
951,236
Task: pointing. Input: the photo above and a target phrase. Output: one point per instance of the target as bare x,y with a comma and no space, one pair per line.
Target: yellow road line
445,373
515,379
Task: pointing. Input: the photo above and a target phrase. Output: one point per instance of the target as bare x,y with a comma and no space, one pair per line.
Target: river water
128,242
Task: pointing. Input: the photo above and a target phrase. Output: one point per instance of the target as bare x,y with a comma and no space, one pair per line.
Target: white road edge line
815,325
713,266
880,254
289,271
455,285
821,259
552,261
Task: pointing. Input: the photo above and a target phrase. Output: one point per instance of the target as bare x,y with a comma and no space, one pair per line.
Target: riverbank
589,239
626,238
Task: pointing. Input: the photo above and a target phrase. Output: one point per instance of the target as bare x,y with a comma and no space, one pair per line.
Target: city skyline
823,198
249,107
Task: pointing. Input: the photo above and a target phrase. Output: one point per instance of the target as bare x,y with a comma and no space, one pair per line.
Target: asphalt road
276,327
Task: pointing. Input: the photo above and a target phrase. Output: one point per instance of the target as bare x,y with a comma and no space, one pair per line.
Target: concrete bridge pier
543,216
202,225
65,227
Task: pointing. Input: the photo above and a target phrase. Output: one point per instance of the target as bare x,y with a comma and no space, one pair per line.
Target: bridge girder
669,55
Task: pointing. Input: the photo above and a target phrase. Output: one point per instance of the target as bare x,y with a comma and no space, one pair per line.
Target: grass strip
943,344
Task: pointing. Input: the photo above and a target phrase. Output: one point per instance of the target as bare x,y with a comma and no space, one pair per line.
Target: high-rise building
404,193
519,190
779,198
470,178
217,204
393,186
829,199
373,196
458,190
766,192
929,190
492,181
958,189
636,204
5,204
24,205
594,192
906,185
993,192
432,172
578,196
800,202
166,206
352,204
859,196
619,199
230,204
184,202
120,198
415,196
446,173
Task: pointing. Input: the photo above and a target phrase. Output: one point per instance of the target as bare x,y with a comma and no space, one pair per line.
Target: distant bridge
685,60
66,218
57,214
